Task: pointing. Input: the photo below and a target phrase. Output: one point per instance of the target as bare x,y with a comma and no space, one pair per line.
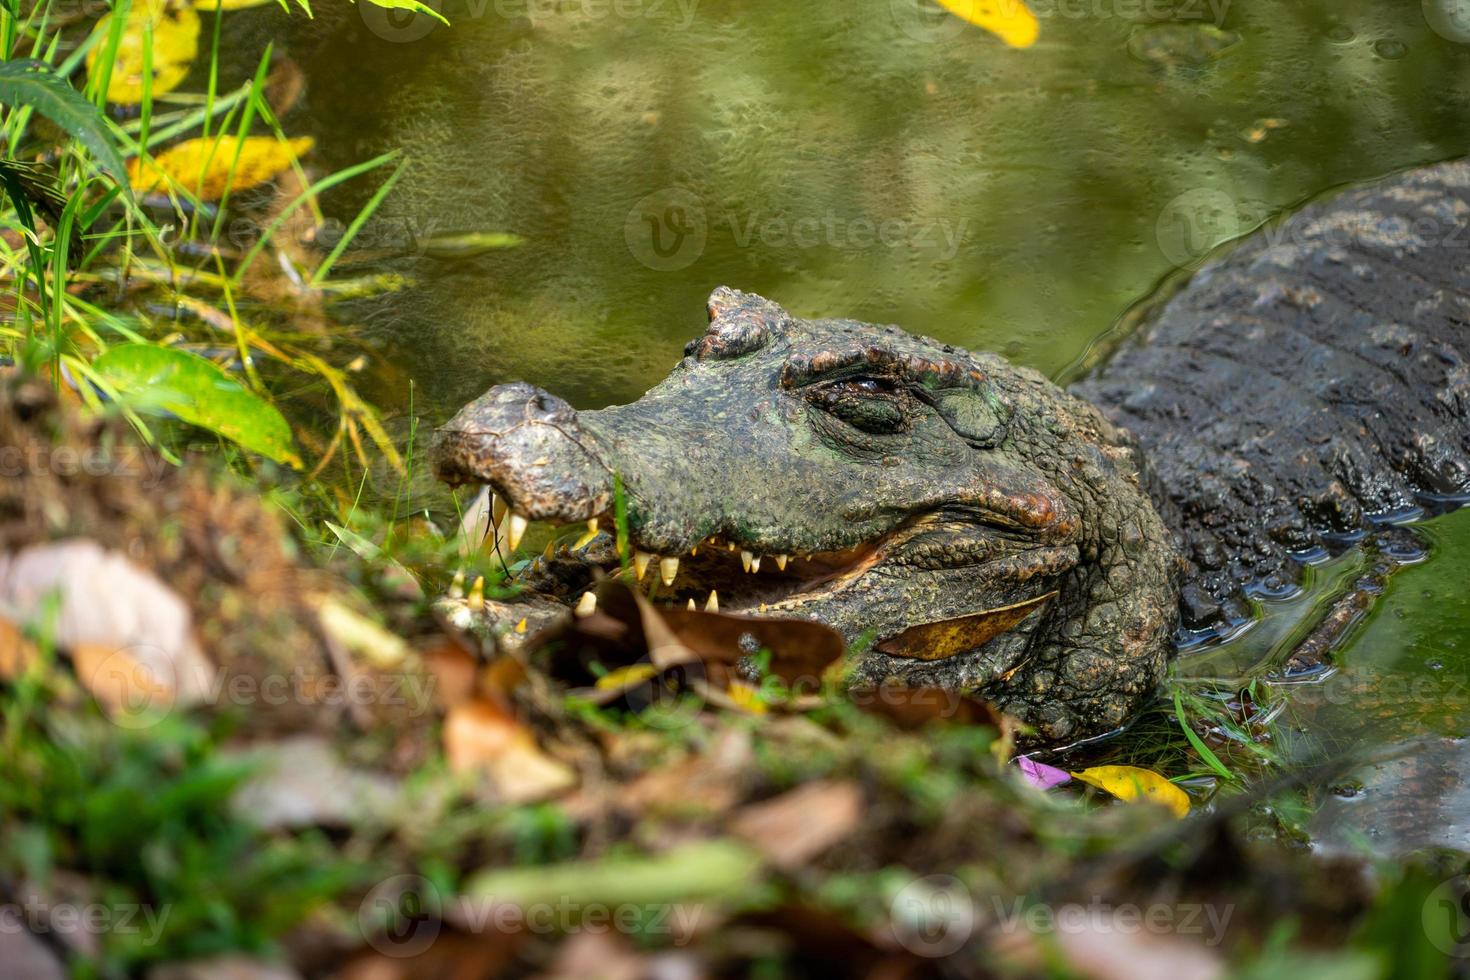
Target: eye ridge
868,403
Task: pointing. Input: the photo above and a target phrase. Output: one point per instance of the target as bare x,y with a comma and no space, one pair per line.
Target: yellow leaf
1008,20
1137,785
203,166
626,677
746,698
175,42
209,6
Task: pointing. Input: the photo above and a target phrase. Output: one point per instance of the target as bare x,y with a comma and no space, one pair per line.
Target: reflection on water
872,158
1400,693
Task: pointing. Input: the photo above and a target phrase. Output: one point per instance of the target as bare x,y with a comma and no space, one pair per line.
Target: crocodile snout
529,446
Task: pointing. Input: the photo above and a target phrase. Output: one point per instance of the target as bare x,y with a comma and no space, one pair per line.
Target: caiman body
989,531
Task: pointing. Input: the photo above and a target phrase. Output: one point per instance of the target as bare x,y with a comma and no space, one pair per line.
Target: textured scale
1313,380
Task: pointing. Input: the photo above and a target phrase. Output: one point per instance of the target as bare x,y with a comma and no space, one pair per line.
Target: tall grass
108,266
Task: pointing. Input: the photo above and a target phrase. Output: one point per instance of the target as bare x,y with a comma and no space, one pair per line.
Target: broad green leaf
414,5
1137,785
1009,20
201,393
34,84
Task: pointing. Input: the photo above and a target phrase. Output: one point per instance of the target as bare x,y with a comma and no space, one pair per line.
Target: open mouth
716,574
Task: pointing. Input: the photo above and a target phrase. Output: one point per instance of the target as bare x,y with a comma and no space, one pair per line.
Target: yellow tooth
746,558
781,561
456,588
764,607
518,525
691,605
521,626
640,563
586,539
476,601
667,569
498,508
587,605
755,564
550,551
693,551
712,604
731,546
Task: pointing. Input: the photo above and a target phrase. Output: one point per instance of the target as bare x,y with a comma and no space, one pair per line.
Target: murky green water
873,158
877,159
1398,694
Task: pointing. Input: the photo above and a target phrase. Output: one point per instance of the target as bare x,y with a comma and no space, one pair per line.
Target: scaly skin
1304,385
1313,380
927,483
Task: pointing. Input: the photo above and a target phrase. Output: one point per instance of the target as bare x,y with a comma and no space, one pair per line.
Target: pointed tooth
745,559
518,525
521,626
667,569
781,561
586,539
755,564
764,607
693,551
587,605
476,601
690,607
550,551
731,546
712,604
498,508
456,588
640,563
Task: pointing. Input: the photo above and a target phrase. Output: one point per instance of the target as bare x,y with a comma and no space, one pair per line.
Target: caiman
983,529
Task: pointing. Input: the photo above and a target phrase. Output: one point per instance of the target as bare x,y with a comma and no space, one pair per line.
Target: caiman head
980,528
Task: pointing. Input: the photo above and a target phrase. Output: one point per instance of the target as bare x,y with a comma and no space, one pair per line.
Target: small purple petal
1041,775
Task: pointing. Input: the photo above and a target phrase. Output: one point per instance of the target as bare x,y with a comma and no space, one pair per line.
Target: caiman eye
875,405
